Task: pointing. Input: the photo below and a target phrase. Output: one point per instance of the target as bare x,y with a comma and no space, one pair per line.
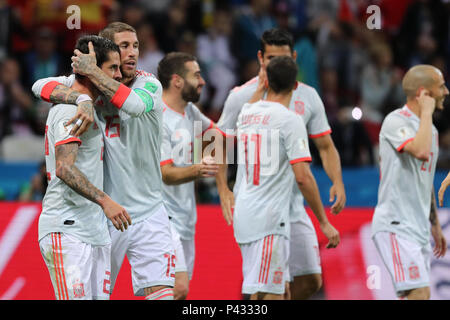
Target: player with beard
182,83
130,117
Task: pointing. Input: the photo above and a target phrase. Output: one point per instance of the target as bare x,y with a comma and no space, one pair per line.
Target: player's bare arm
420,146
173,175
445,183
66,170
332,165
86,64
85,110
440,246
308,186
225,194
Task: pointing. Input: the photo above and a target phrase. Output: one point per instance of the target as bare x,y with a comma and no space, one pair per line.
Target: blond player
73,232
130,118
406,208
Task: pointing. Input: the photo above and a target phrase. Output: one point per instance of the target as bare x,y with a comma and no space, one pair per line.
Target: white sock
161,294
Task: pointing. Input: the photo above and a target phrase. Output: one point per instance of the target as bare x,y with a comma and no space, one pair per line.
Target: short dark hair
276,37
282,74
115,27
102,48
173,63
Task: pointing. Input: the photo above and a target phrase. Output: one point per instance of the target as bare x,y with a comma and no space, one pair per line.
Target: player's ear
294,55
260,58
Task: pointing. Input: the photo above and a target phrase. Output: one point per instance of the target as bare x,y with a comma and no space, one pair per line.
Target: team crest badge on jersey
299,107
414,272
78,290
278,276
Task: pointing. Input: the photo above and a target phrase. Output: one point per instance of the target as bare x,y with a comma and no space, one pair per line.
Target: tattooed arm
66,170
57,90
440,246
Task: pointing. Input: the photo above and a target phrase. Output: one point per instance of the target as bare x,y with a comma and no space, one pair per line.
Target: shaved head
420,76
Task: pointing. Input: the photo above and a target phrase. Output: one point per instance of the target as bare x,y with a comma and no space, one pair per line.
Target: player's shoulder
304,89
399,114
144,77
245,89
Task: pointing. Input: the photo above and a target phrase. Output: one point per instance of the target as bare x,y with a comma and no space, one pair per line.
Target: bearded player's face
193,82
129,52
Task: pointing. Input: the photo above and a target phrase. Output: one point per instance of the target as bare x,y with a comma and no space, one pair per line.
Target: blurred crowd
357,71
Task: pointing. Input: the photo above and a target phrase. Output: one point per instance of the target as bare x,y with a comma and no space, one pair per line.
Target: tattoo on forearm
63,94
65,158
105,84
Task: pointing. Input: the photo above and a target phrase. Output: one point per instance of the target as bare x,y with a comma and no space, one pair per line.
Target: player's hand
287,291
261,88
445,183
440,244
331,233
227,204
117,214
426,102
85,113
84,63
337,192
208,167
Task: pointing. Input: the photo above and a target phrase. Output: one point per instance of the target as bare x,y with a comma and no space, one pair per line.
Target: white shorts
304,255
149,248
264,263
78,270
189,255
408,263
180,261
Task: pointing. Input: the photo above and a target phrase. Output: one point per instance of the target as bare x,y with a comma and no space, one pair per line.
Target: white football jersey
132,131
270,139
404,193
63,209
177,147
305,102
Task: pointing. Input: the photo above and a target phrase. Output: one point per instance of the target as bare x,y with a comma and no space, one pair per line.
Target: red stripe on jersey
304,159
400,148
163,163
120,96
62,268
48,89
320,134
402,272
73,139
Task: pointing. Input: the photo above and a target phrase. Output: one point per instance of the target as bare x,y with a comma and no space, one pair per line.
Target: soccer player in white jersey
73,232
261,215
130,117
180,77
304,260
406,200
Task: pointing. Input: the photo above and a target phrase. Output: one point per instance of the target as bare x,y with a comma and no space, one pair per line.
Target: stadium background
348,64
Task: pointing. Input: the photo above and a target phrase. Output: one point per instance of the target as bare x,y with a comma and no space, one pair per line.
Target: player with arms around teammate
73,232
181,79
261,216
130,117
406,201
304,259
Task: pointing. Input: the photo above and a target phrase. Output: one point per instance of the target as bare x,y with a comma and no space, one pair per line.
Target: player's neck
282,98
174,101
84,86
413,106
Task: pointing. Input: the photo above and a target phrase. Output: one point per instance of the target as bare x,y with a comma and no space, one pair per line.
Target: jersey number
170,264
430,161
256,138
110,124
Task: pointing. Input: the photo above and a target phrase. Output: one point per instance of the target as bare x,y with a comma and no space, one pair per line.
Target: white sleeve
42,88
166,147
60,132
397,131
318,124
207,123
145,96
230,113
295,139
